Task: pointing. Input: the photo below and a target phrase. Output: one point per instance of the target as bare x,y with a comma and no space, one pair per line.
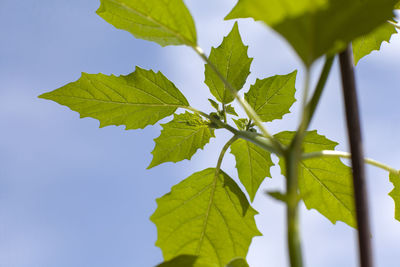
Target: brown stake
354,133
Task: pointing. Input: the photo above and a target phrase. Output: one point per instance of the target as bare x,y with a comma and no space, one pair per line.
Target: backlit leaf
317,27
231,59
205,215
241,123
365,44
139,99
181,138
252,163
325,184
164,22
231,110
272,97
180,261
238,263
214,104
395,193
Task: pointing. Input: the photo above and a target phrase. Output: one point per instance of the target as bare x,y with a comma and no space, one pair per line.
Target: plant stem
292,213
224,111
243,103
354,133
312,105
222,153
255,138
346,155
292,159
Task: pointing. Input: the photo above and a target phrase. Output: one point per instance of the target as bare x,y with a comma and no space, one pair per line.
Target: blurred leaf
277,195
365,44
180,261
325,184
231,60
317,27
181,138
271,98
395,193
139,99
252,163
214,104
206,215
241,123
238,263
231,110
163,22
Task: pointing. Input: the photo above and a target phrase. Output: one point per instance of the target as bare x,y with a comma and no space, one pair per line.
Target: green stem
292,213
222,153
292,159
255,138
312,105
243,103
346,155
224,112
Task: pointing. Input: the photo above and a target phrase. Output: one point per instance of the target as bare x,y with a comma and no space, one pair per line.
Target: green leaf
231,60
325,184
317,27
271,98
365,44
206,215
277,195
181,138
253,164
241,123
163,22
214,104
139,99
238,263
231,110
180,261
395,193
397,6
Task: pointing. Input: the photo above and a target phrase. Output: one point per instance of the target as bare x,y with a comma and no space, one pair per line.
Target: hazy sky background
72,194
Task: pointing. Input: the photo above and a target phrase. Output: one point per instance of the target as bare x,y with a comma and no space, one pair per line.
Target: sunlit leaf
238,263
164,22
181,138
365,44
214,104
241,123
231,110
139,99
277,195
205,215
272,97
317,27
325,184
231,60
252,163
180,261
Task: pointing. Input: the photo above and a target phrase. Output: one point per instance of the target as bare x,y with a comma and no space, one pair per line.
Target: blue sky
72,194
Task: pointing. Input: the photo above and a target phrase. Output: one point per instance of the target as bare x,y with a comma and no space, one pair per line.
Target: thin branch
255,138
347,155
